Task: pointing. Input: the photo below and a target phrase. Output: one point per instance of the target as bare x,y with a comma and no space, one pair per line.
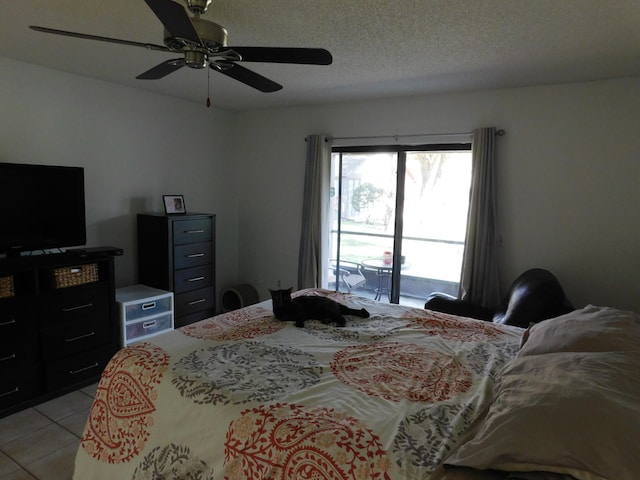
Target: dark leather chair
534,296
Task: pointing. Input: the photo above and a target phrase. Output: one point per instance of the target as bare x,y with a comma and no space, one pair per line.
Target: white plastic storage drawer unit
144,312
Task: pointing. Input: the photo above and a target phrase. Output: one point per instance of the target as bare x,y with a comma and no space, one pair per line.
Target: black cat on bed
307,307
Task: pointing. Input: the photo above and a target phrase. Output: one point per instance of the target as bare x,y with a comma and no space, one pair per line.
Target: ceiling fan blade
148,46
162,70
175,19
249,78
306,56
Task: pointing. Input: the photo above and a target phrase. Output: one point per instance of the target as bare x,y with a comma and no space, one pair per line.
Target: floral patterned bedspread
245,396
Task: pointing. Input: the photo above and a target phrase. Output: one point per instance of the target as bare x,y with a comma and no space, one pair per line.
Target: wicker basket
78,275
6,287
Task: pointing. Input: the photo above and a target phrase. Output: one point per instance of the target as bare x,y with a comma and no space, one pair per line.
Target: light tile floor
41,442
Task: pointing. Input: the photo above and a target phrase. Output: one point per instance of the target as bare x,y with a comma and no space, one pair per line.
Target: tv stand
96,251
58,325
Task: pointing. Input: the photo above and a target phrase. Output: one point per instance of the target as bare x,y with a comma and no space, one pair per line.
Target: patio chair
349,273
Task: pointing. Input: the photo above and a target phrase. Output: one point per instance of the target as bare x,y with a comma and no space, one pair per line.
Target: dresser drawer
147,308
195,230
75,336
21,386
192,255
177,253
18,355
145,328
73,303
194,278
191,302
78,368
17,321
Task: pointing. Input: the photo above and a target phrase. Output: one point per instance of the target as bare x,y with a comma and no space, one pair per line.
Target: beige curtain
314,239
479,282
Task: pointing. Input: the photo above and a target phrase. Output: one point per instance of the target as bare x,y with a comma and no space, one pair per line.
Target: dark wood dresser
58,325
177,253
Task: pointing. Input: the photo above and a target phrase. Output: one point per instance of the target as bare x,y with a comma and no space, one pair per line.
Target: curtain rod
499,133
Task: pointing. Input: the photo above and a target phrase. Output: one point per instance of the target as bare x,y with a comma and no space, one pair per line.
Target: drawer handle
8,357
147,306
196,279
86,335
195,255
191,232
150,324
75,269
195,302
10,322
84,369
79,307
15,390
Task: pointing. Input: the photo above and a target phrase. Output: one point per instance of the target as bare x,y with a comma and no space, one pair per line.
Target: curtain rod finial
500,132
326,138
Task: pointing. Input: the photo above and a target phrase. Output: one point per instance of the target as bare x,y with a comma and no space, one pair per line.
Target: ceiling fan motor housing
213,37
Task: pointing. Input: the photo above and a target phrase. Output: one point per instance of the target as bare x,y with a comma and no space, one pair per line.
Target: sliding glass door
398,220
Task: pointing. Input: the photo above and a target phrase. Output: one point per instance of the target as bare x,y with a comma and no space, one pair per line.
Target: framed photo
174,204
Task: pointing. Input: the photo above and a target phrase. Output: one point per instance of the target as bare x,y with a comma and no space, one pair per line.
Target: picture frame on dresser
174,205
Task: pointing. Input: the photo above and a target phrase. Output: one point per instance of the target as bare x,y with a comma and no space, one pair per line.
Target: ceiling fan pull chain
208,84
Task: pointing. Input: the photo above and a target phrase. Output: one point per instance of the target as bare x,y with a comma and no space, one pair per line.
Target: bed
405,394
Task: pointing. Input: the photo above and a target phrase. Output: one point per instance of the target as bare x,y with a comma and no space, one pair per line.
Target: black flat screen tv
41,208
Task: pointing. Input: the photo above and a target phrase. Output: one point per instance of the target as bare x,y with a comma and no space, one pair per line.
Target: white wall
134,146
568,169
568,177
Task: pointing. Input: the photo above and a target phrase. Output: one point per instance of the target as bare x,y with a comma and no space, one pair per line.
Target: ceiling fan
202,42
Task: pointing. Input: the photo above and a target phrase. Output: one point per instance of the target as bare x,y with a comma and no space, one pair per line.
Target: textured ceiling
381,48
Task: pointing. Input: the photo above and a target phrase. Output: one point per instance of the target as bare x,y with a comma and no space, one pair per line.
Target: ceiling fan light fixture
195,59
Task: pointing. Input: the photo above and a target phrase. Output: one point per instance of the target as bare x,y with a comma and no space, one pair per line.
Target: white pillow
568,413
591,329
